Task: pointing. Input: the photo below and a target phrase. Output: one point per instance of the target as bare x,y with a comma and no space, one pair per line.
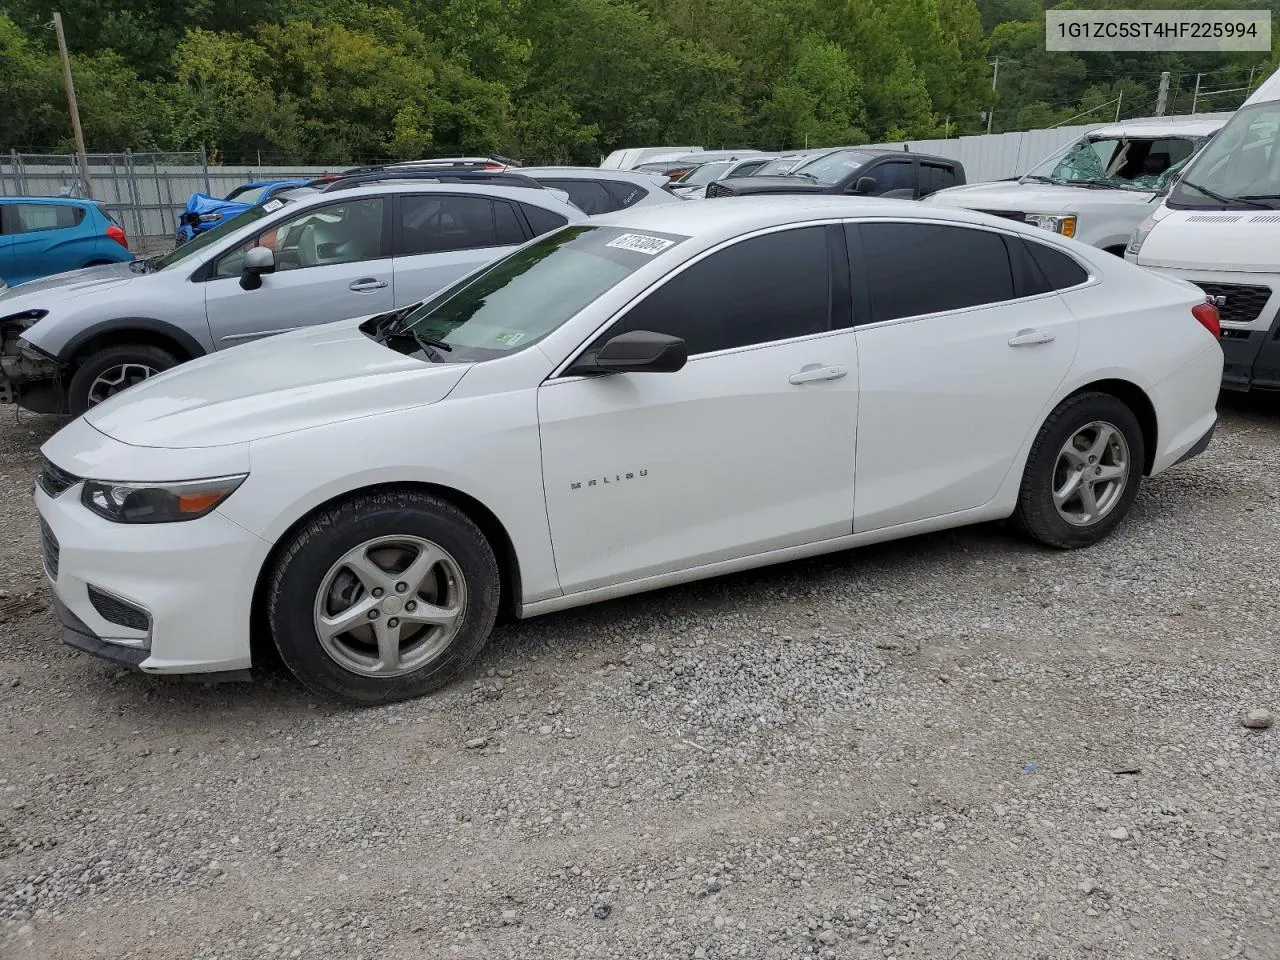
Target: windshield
209,237
700,176
1241,163
521,298
782,165
1120,163
833,167
247,194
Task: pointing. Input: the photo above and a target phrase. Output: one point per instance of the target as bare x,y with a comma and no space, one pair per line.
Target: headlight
1064,224
1139,235
210,217
157,502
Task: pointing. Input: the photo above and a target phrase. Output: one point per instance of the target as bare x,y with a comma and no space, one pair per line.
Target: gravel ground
960,745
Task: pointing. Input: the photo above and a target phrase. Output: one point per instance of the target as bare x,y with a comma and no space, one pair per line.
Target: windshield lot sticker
271,206
509,338
638,243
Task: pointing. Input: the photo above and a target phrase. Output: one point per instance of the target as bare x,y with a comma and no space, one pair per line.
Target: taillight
117,234
1207,314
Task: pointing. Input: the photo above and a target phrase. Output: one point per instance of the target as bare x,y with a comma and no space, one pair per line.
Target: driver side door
749,448
332,262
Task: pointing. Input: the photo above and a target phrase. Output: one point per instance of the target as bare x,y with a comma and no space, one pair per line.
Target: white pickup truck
1099,188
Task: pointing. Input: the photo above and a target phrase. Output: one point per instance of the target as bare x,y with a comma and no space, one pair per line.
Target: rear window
625,194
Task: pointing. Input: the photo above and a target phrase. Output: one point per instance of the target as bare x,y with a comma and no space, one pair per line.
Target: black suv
856,171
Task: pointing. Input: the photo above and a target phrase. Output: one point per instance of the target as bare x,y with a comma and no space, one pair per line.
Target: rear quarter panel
1137,326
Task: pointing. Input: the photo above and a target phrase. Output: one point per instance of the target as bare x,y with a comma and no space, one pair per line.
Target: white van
631,158
1098,188
1219,227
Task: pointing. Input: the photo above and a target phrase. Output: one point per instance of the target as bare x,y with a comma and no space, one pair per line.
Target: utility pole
995,73
1118,101
1196,96
81,159
1162,100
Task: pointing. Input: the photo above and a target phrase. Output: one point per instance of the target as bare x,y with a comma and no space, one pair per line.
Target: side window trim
859,272
621,313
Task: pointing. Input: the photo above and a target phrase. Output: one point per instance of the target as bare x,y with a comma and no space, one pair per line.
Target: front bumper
1250,341
192,582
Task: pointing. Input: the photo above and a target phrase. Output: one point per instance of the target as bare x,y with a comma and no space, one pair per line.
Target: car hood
73,283
1231,241
745,185
277,385
1009,195
199,203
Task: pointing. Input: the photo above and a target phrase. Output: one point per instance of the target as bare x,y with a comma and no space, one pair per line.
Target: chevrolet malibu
637,400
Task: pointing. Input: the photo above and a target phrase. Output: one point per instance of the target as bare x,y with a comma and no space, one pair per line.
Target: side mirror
638,351
257,261
865,185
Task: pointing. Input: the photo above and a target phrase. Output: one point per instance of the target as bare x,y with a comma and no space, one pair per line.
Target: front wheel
385,597
1083,472
104,374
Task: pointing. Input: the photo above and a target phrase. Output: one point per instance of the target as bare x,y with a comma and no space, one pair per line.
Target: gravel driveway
960,745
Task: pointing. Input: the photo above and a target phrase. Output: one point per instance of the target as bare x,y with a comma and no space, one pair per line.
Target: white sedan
634,401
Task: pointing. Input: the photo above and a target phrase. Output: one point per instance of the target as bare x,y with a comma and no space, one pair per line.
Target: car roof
1200,125
426,185
591,173
726,217
82,201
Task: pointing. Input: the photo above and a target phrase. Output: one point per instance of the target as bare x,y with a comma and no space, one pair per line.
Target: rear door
440,237
332,262
961,344
41,239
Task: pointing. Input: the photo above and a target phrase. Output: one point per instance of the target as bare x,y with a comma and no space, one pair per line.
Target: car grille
1243,304
51,550
1006,214
55,481
117,611
718,189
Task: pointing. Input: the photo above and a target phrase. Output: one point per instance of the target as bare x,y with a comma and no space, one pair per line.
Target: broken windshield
1148,164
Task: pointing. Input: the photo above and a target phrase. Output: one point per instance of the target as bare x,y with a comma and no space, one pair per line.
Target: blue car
204,212
44,235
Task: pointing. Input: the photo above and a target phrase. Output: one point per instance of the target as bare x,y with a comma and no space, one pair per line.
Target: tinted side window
541,219
934,177
1059,269
509,229
894,175
587,195
435,223
625,194
745,169
767,288
30,217
917,268
1028,279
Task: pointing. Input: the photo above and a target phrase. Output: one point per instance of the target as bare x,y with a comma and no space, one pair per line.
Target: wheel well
1136,400
481,516
121,336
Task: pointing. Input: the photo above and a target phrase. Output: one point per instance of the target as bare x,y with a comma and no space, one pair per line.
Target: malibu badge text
605,481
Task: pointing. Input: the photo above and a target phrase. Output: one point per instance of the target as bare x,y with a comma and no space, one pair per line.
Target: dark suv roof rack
495,179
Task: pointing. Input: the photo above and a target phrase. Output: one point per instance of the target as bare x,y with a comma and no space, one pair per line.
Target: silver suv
361,245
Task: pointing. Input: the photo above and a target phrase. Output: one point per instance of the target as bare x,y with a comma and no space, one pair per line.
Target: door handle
1029,338
366,284
813,372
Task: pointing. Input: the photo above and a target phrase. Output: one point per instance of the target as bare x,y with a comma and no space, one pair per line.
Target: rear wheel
385,597
110,371
1083,472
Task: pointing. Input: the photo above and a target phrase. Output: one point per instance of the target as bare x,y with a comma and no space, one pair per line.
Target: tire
1079,421
90,384
313,579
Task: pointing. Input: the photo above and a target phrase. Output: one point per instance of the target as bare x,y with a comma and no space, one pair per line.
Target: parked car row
559,382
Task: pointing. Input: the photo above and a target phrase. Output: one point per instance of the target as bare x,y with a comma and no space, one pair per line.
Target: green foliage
337,81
